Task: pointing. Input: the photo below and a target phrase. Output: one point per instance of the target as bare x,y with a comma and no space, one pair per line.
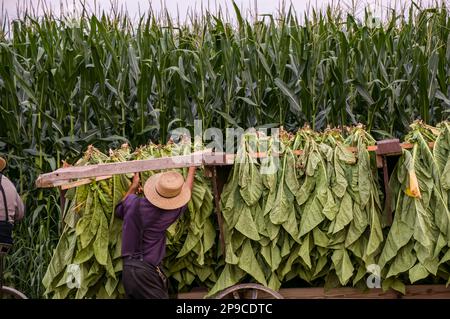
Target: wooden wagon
217,167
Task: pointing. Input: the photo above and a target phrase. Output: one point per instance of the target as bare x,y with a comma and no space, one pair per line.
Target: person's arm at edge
134,186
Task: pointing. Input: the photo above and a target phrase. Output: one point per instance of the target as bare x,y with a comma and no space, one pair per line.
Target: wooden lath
78,175
83,181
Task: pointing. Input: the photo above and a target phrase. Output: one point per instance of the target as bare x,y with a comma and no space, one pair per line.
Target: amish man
145,221
11,206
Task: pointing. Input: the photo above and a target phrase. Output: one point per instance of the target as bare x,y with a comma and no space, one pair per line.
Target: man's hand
135,183
134,186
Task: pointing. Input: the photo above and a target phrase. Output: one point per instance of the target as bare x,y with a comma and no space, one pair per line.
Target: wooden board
412,292
67,175
427,292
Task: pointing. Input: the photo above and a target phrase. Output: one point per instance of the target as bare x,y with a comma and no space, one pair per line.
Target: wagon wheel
11,293
248,291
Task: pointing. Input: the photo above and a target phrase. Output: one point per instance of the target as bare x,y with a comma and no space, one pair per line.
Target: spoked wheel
11,293
248,291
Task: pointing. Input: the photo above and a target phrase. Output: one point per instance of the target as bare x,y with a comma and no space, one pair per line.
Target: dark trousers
142,280
6,232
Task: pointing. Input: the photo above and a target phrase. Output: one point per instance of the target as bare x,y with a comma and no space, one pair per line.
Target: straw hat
167,190
2,164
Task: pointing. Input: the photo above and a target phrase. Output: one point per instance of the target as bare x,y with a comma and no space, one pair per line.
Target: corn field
66,83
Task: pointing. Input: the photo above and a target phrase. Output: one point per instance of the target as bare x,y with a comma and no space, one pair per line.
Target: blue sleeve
123,207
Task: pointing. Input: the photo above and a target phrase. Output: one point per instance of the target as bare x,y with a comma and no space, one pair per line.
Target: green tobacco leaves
260,217
250,182
304,206
418,240
90,222
345,228
317,213
89,250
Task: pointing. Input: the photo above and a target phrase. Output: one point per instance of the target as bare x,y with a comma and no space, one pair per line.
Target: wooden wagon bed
412,292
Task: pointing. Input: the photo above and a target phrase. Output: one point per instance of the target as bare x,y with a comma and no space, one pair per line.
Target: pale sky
182,6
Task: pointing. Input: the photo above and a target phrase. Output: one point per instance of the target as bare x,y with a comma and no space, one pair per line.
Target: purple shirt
154,221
